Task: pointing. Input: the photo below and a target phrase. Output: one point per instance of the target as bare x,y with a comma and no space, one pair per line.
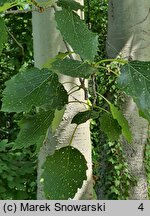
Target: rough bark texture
128,36
47,44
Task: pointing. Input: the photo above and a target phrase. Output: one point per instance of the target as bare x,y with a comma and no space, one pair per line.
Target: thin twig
70,83
103,97
100,108
73,88
94,89
78,101
73,91
17,42
19,11
81,102
73,135
35,9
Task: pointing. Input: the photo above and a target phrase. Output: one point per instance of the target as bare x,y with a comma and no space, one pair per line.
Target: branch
94,90
37,9
19,11
17,42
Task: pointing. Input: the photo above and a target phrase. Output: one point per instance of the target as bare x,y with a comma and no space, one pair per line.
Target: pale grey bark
128,36
47,44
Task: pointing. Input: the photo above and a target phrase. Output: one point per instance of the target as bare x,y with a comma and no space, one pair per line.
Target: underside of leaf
135,81
32,128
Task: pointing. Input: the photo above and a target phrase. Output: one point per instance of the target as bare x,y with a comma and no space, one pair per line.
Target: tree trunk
128,36
47,43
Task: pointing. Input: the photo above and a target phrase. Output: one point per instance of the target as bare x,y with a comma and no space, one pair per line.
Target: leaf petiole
121,61
73,135
103,98
100,108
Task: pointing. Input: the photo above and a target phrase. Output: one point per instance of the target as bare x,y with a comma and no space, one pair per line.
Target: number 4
141,207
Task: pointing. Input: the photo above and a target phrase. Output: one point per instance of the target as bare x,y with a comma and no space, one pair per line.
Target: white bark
128,36
47,44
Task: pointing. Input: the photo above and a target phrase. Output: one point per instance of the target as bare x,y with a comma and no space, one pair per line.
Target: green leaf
57,119
77,34
145,114
6,1
117,114
82,117
64,172
5,5
70,4
135,81
3,34
33,87
3,143
113,189
32,128
2,189
110,126
39,144
73,68
48,63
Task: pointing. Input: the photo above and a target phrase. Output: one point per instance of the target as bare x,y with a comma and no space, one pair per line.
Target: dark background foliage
17,167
